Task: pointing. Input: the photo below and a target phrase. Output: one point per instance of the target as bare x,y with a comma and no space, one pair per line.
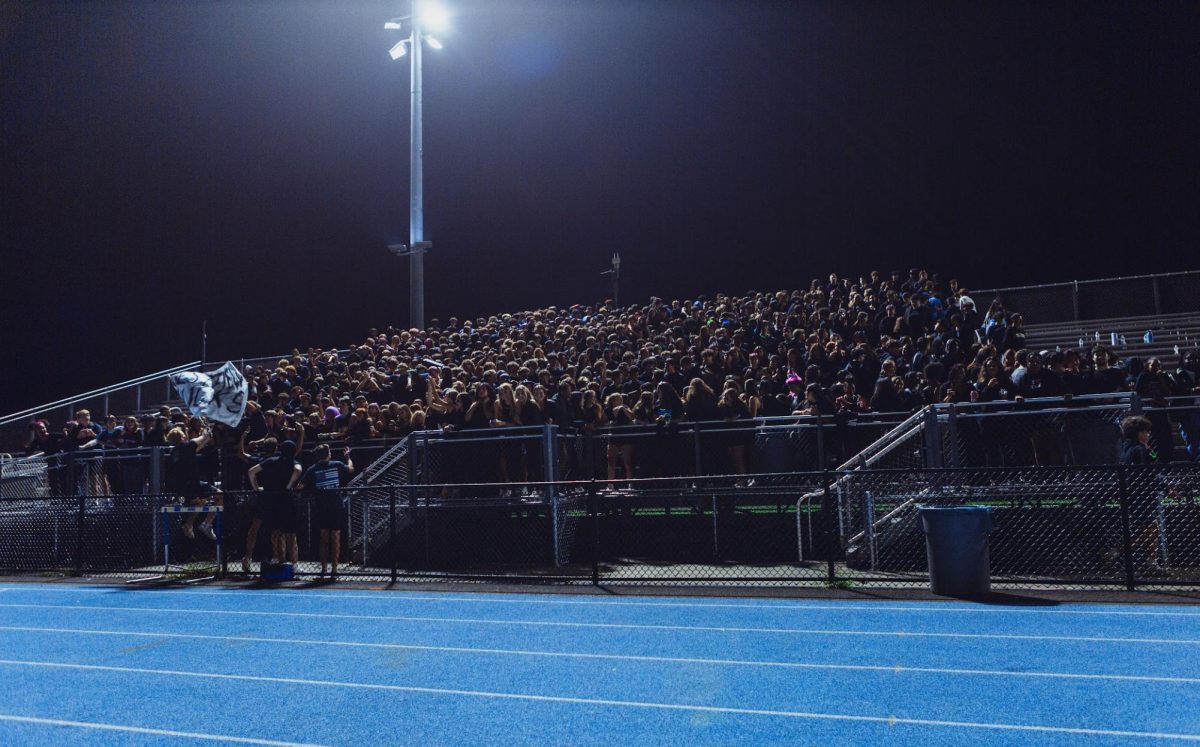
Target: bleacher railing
1075,300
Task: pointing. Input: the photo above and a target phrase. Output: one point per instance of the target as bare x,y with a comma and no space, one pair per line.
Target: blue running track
106,665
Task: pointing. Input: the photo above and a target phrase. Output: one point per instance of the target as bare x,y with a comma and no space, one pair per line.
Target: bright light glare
434,16
392,26
399,50
433,42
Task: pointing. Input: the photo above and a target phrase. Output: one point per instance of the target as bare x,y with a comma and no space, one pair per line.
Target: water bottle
1148,337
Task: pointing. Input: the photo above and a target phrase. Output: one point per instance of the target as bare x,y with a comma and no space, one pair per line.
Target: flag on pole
220,395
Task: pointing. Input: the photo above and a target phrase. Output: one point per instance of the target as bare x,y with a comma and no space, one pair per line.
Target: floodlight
433,16
392,25
433,42
399,50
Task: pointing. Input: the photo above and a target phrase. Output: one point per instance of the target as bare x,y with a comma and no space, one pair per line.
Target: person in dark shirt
183,478
1143,503
1186,384
278,476
327,477
1153,386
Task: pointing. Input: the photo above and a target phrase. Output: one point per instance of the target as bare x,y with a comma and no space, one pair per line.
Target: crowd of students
880,343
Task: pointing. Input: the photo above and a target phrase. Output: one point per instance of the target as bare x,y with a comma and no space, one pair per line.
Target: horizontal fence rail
1055,527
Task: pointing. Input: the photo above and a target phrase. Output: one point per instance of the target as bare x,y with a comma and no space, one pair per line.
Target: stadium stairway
1168,331
370,504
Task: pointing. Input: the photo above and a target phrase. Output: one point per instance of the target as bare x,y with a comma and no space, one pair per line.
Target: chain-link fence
1055,526
1062,526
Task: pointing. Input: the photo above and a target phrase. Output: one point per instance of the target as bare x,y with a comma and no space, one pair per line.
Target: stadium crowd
884,343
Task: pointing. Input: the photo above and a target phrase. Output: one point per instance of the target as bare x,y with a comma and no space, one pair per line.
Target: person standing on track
327,476
279,475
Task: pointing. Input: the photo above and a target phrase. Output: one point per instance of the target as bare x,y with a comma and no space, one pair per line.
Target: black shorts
330,512
279,512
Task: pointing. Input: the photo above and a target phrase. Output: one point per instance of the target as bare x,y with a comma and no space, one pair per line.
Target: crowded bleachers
842,347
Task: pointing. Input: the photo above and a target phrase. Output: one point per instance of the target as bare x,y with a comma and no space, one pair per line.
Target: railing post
869,515
696,448
79,536
104,414
595,519
1157,296
933,438
137,399
826,510
1126,532
549,451
821,463
156,461
952,435
1075,299
552,492
392,532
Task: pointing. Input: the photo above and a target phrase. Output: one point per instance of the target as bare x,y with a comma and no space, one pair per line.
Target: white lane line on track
616,626
145,730
893,669
933,606
890,720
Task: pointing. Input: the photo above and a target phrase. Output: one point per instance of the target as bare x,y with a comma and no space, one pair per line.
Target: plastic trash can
956,545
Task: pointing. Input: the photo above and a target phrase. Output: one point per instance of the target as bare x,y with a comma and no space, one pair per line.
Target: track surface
105,665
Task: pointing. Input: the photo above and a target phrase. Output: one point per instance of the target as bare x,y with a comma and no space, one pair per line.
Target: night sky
246,162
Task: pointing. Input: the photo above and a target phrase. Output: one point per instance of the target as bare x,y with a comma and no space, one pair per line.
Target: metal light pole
416,208
615,275
423,15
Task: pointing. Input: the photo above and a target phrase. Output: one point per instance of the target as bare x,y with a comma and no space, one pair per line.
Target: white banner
220,395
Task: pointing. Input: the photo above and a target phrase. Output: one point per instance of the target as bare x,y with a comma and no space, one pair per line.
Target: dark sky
246,162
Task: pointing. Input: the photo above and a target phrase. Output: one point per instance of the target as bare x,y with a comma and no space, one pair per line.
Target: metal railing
1074,300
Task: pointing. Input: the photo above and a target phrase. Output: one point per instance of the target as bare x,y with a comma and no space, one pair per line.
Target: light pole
425,15
615,274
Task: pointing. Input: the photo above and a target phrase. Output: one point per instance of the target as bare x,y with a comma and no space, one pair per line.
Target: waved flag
220,395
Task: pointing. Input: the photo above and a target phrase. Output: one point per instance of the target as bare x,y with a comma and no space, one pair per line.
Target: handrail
1068,283
12,418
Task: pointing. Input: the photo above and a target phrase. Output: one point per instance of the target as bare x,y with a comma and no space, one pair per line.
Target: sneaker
189,532
207,531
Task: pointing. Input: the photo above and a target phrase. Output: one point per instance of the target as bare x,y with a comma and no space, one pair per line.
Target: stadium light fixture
426,16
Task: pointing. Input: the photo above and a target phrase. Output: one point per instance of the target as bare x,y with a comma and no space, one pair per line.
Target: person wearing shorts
275,478
326,477
255,505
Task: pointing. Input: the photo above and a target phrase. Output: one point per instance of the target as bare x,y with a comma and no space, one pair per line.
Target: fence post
79,536
156,460
869,515
821,463
392,532
1126,533
549,452
696,448
592,514
952,435
826,510
933,438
